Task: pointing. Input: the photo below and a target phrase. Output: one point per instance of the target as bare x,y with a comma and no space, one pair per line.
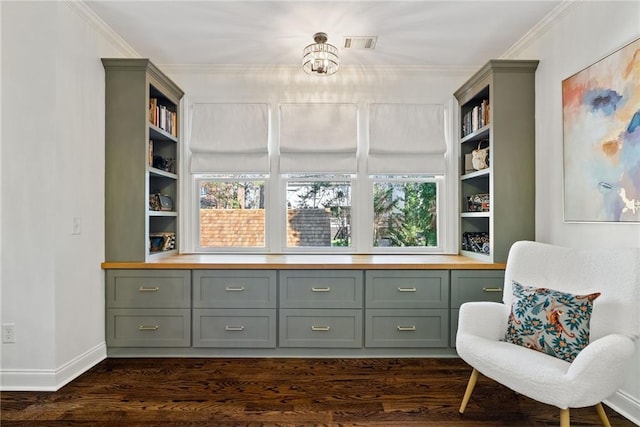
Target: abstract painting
601,121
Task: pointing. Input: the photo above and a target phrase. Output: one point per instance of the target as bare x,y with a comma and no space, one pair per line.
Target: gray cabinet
234,308
141,157
320,308
407,308
147,308
473,285
497,203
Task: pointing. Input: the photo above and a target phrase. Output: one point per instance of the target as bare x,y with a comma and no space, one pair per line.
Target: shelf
156,133
476,174
159,172
163,213
476,255
482,133
475,214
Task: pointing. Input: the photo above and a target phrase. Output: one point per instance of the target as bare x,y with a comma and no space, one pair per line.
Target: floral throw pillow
553,322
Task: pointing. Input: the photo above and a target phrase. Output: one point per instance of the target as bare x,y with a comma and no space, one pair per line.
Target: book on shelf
476,118
163,117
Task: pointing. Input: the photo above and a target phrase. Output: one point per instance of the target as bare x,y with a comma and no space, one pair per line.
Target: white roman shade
406,139
229,138
318,138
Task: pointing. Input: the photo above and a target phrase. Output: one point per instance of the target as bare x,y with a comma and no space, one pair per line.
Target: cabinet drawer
148,327
340,328
148,288
407,289
234,289
321,289
236,328
407,328
476,285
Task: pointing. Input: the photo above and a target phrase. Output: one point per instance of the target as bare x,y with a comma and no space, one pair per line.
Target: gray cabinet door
321,289
407,328
148,288
407,289
234,328
146,327
327,328
234,289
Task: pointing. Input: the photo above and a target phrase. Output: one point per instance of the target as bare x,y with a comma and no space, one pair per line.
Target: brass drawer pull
234,289
234,328
321,328
406,328
148,328
492,289
144,289
327,289
406,289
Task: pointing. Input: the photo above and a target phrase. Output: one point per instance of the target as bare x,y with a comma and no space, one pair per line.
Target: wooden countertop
308,261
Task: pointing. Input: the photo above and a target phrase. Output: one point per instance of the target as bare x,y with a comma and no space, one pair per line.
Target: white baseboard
51,379
626,405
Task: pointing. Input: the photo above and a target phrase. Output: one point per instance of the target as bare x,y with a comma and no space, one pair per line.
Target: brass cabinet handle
406,328
321,328
234,289
148,328
327,289
234,328
492,289
144,289
406,289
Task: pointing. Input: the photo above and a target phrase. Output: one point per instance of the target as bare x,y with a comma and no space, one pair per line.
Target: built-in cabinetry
473,285
141,149
407,308
234,309
497,203
290,312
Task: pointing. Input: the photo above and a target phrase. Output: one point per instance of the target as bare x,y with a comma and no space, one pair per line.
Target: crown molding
101,27
538,30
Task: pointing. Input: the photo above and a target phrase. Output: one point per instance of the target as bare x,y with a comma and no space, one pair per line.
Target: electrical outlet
8,333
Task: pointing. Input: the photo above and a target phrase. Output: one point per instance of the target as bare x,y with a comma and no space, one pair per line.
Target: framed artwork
601,127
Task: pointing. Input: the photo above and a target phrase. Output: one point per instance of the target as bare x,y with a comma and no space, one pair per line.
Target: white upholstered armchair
523,365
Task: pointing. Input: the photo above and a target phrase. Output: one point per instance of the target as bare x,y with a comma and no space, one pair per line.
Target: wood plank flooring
281,392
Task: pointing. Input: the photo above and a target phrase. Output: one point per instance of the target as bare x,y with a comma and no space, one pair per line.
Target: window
405,212
232,213
318,213
319,177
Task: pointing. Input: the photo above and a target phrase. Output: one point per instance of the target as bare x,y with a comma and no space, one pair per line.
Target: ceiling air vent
360,42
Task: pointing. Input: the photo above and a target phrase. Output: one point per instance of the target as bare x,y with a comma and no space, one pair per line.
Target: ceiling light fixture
320,58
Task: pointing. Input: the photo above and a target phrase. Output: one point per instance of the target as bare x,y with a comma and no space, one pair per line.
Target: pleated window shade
318,138
229,138
406,139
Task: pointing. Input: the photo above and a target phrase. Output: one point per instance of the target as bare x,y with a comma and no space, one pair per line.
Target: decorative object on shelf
160,202
601,115
480,156
476,242
165,164
478,203
320,58
162,241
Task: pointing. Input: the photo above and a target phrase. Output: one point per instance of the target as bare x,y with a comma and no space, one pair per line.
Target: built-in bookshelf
497,200
142,148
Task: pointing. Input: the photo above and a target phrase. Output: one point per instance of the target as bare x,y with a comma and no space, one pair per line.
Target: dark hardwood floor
281,392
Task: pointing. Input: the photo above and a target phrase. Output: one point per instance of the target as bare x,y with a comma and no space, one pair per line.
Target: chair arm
600,369
484,319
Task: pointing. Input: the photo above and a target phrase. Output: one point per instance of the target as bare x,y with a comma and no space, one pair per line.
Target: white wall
582,34
52,170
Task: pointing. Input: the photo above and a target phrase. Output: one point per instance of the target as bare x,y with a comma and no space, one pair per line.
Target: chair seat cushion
550,321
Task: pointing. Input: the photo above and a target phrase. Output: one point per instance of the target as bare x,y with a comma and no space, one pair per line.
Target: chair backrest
613,272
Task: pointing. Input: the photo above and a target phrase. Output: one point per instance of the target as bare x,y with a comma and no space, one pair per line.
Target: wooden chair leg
467,394
603,415
565,418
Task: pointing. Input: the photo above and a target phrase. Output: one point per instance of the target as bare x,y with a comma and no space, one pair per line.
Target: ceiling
448,33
